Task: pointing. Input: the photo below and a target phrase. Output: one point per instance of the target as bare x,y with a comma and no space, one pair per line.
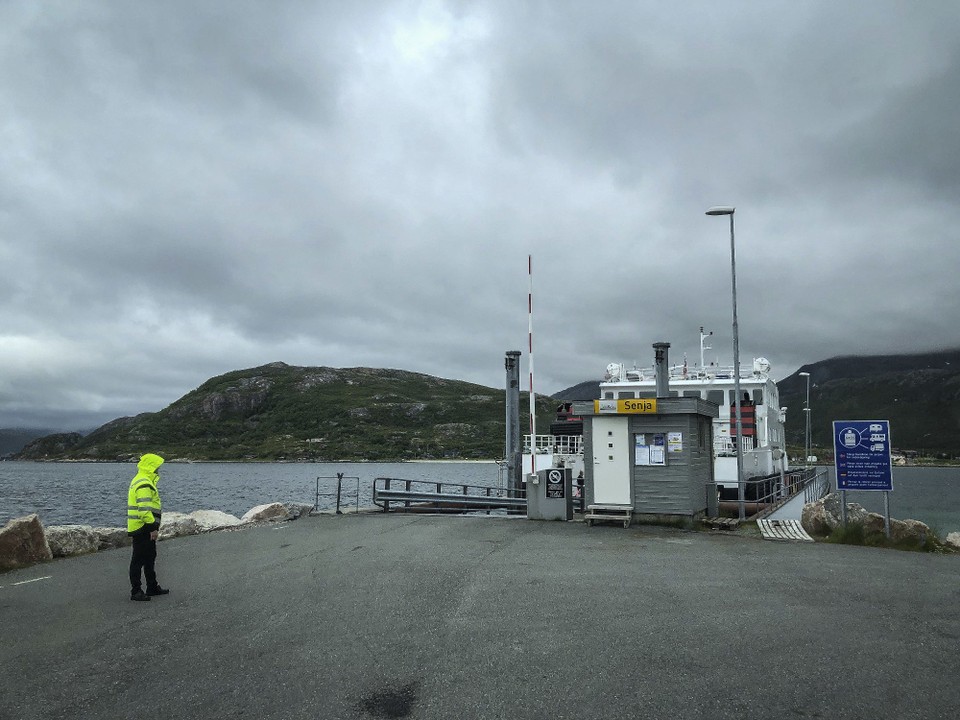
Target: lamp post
806,432
725,210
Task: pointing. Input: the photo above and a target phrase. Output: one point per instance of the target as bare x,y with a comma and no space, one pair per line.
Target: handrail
339,492
559,444
437,496
770,492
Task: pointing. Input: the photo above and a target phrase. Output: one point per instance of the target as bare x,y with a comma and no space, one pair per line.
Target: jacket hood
149,463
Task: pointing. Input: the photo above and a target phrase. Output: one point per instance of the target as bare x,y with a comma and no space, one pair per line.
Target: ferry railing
765,494
558,444
432,496
335,488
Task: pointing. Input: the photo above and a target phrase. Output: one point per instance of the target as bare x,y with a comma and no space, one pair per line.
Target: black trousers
144,557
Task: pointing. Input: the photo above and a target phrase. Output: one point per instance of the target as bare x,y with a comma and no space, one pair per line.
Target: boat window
715,396
674,393
691,393
627,394
608,395
649,394
758,396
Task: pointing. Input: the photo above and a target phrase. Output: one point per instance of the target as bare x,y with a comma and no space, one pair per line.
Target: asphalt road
450,617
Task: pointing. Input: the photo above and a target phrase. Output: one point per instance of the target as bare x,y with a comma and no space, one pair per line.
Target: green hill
919,394
279,412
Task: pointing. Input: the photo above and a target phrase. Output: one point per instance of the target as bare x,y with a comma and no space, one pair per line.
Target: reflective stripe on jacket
143,499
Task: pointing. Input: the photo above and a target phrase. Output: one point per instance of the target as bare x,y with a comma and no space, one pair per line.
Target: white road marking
25,582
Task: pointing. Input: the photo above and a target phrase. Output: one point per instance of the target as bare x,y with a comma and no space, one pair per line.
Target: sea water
96,493
928,494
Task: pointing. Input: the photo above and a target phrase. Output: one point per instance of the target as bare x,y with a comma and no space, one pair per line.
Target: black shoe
139,595
157,591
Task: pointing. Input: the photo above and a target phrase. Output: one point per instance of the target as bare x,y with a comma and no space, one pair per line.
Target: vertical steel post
886,513
736,373
339,481
513,448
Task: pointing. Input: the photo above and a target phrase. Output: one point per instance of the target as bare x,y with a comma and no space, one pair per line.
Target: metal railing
816,487
432,496
560,444
765,494
335,490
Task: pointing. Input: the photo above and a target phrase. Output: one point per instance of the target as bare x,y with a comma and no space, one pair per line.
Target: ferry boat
762,443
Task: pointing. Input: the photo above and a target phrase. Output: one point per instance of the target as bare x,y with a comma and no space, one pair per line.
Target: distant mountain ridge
13,440
280,412
918,393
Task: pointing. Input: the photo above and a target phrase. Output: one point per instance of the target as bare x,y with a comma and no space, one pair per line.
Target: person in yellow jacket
143,525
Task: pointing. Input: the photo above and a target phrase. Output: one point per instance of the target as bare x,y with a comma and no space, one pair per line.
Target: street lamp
806,413
725,210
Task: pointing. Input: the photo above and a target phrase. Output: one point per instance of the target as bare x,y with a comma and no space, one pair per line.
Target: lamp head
721,210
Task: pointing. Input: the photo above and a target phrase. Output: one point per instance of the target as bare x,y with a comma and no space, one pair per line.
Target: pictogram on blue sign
862,454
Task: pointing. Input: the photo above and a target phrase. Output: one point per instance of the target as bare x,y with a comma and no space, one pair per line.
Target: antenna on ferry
702,346
533,400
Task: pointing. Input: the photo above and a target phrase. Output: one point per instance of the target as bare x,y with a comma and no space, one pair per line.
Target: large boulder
23,543
176,524
214,519
912,530
111,537
276,512
68,540
295,511
824,516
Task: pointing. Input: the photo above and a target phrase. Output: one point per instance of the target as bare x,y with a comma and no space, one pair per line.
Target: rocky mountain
919,394
280,412
12,440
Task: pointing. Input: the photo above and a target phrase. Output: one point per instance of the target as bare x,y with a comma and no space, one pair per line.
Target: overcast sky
192,188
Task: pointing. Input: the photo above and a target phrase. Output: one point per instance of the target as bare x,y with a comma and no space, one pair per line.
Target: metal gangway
779,495
431,496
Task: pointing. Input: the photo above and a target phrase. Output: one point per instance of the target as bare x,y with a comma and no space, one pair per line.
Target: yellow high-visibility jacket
143,499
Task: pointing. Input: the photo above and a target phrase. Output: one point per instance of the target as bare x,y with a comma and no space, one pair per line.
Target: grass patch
857,534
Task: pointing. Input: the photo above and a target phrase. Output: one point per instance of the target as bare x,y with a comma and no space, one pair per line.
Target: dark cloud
191,189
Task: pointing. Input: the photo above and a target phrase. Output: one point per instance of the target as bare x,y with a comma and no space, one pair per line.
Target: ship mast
703,347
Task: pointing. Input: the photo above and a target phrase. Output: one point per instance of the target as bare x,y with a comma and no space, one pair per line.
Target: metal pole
339,481
886,513
736,372
807,435
514,449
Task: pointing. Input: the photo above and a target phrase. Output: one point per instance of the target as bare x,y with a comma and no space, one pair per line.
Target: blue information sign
862,454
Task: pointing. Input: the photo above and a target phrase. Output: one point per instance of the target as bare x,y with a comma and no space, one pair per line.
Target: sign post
862,460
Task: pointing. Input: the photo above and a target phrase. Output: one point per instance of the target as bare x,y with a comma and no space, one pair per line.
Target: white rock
271,512
275,512
953,539
295,511
213,519
175,524
68,540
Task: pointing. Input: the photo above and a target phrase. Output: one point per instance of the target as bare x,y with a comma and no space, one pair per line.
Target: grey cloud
193,189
